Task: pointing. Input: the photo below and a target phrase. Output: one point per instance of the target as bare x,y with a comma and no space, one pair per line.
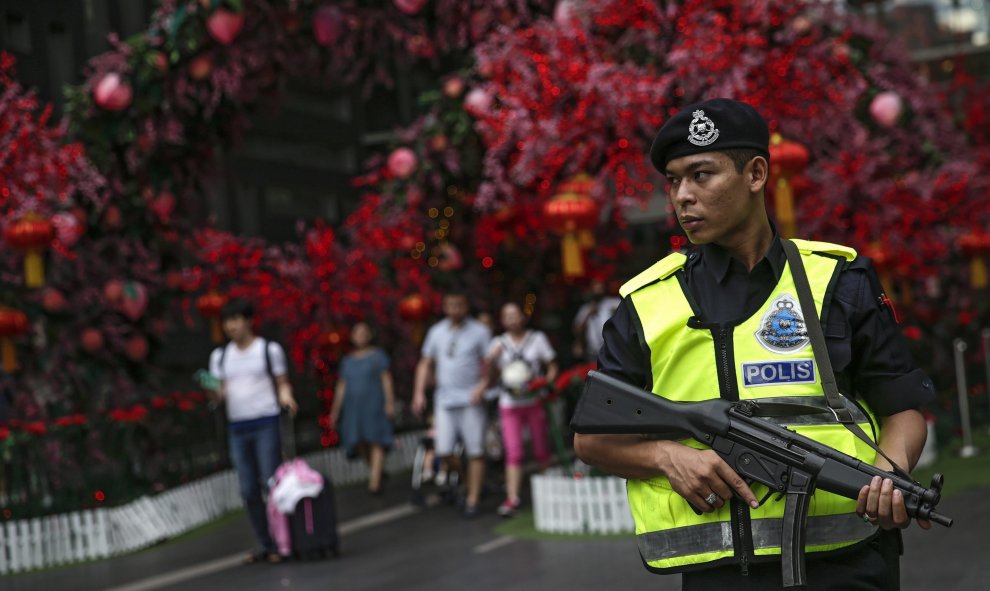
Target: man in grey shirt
454,351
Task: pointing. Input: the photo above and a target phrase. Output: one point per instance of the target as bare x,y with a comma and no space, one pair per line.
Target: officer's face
713,202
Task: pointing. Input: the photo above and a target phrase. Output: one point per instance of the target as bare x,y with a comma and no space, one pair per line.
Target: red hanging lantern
976,245
13,323
787,159
415,309
573,214
31,234
209,306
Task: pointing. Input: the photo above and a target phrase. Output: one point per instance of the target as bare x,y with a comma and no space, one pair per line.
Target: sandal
255,557
259,557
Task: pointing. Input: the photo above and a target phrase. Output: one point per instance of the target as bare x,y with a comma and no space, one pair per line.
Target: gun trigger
767,496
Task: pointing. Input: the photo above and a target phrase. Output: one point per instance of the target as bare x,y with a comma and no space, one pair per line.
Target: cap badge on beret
703,130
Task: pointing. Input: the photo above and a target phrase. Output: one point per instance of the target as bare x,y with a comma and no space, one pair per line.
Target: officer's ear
757,173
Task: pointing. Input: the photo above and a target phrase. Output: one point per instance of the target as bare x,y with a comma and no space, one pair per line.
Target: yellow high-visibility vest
766,356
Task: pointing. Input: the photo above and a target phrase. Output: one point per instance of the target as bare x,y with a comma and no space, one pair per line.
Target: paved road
436,550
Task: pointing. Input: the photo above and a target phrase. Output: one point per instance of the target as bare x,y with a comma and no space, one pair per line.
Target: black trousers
873,566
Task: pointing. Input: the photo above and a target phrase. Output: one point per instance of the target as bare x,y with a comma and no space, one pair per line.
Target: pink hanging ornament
564,12
886,108
112,93
410,6
327,25
402,162
224,25
68,228
477,102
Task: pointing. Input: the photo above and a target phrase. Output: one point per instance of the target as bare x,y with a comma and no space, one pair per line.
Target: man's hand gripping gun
757,449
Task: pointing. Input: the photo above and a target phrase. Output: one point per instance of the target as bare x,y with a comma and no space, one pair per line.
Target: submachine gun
757,449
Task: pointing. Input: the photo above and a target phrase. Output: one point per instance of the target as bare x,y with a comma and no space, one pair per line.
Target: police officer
725,321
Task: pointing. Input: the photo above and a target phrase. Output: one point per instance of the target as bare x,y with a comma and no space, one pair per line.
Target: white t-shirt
250,391
594,315
457,353
535,349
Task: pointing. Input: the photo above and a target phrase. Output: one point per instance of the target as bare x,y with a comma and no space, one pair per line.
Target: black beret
710,126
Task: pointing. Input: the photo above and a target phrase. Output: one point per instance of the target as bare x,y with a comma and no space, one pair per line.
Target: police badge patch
782,329
703,130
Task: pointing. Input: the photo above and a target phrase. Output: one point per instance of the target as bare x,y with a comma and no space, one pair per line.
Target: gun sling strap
817,336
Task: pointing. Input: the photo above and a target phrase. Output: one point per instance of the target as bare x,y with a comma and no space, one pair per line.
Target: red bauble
402,162
159,61
328,24
91,340
53,301
414,308
200,67
224,25
113,291
112,218
112,93
410,6
136,348
453,87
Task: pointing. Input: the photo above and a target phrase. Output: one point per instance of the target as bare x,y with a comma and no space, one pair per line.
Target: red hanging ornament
787,159
31,234
13,323
573,214
209,305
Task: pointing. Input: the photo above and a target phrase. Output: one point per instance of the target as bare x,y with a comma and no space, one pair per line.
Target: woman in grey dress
364,403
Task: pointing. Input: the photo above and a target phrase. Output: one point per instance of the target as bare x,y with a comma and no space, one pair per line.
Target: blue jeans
256,451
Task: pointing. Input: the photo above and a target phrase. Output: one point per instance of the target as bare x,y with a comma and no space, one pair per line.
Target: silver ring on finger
712,499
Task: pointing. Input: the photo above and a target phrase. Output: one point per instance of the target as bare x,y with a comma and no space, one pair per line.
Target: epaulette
808,246
662,269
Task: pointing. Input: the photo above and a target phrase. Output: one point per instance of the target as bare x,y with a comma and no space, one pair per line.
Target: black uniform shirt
869,354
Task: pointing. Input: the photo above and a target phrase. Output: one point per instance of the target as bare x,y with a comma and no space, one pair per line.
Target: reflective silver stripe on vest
717,537
819,415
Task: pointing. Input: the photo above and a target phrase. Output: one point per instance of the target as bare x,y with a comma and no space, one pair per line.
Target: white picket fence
563,504
100,533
